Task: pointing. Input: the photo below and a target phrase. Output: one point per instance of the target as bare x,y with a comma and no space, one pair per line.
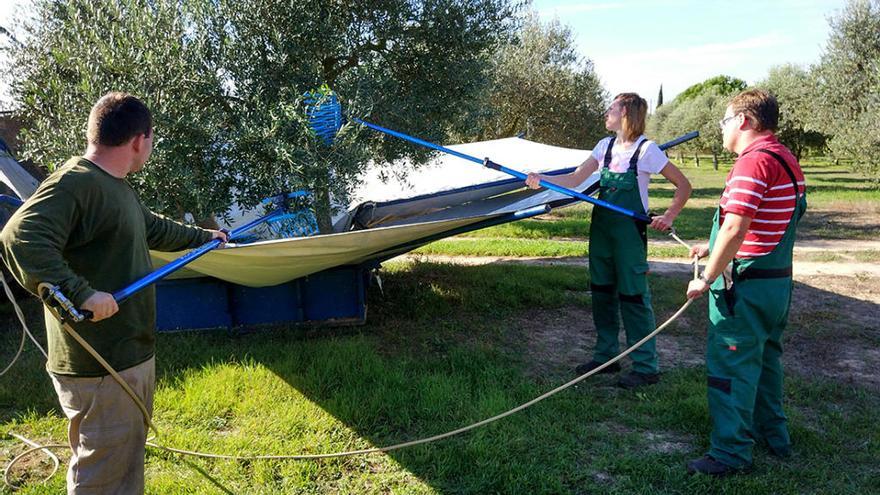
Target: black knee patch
722,384
606,289
635,298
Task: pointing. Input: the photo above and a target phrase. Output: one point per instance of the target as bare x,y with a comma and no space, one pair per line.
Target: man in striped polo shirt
748,277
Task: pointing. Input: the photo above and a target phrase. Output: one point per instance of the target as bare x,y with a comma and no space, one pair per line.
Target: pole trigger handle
52,296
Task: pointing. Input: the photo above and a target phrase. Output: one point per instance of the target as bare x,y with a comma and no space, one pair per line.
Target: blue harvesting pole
11,200
54,293
680,139
173,266
553,187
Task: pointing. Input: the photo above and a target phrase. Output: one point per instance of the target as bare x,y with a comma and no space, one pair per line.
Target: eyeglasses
725,120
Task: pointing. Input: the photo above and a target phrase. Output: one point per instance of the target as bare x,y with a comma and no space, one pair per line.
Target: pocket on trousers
731,333
637,282
641,268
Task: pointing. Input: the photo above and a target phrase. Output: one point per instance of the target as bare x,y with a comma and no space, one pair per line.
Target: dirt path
805,245
833,332
664,265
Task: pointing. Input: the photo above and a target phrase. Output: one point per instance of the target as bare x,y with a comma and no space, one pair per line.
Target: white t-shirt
652,161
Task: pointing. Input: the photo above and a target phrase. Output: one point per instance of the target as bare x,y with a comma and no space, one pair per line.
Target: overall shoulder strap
634,161
785,167
607,160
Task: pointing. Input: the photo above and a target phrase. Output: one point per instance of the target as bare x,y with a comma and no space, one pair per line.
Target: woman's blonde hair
633,120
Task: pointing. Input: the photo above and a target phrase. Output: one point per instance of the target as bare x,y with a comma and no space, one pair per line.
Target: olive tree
795,91
543,85
698,108
76,51
848,78
226,82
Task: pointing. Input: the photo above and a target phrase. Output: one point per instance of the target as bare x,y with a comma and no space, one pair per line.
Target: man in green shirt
86,231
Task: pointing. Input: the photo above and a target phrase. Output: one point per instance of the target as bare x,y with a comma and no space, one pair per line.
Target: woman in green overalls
618,243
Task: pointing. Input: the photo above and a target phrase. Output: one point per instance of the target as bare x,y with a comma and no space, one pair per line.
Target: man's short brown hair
759,106
116,118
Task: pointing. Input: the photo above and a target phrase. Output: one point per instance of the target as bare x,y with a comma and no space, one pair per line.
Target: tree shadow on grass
866,183
26,382
441,352
444,347
826,224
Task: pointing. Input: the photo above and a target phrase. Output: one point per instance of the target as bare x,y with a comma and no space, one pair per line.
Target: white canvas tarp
15,177
444,195
274,262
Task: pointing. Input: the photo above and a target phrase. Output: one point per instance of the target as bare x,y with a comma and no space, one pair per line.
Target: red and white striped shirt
759,188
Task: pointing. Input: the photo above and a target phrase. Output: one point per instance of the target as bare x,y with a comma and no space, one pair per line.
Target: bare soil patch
834,332
841,220
36,466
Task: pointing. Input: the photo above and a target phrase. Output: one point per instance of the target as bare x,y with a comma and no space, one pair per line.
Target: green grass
834,193
867,256
446,346
511,246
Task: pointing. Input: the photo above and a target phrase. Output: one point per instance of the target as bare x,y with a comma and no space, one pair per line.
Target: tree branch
331,67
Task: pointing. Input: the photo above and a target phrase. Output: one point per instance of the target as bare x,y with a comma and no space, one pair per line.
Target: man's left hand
661,222
696,288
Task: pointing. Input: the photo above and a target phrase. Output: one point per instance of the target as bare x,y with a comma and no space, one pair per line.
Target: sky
637,45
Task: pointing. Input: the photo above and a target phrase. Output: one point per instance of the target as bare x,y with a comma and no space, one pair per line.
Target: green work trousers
619,284
744,368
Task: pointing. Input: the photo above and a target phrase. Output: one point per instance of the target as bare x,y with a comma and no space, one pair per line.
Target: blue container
192,303
265,305
337,295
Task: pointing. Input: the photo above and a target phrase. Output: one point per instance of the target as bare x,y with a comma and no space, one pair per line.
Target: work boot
585,368
782,452
710,466
635,379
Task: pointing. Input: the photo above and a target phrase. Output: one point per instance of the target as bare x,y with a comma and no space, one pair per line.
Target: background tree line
832,107
225,80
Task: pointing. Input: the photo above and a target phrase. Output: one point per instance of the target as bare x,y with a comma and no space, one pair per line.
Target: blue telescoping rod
173,266
54,293
11,200
549,185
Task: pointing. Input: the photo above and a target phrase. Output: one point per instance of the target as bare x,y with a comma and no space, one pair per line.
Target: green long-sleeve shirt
85,231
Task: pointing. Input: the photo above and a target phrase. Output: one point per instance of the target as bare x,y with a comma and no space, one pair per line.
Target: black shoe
710,466
782,452
585,368
635,379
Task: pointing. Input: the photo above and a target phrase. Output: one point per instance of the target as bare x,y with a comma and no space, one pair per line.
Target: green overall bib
748,311
618,268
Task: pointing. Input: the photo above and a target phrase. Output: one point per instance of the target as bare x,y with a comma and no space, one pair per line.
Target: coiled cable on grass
24,328
397,446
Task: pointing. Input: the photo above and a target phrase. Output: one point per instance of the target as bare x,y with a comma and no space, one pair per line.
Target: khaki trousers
106,431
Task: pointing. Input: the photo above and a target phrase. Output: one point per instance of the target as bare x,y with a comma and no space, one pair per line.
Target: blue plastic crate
335,296
265,305
192,303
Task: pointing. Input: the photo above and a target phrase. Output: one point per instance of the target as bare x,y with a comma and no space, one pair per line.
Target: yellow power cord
148,421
